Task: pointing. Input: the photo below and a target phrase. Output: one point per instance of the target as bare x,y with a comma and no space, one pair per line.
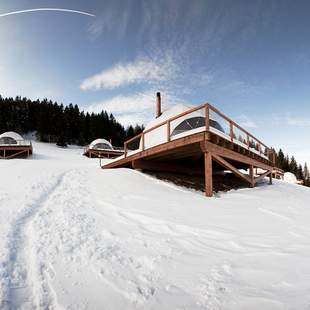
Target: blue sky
251,59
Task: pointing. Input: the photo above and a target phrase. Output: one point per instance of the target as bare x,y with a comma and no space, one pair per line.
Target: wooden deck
13,151
203,150
95,153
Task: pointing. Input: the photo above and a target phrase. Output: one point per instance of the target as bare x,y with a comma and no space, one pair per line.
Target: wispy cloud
143,70
296,121
106,23
246,121
134,108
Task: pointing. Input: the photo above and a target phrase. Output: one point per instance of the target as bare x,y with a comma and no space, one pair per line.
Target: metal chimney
158,105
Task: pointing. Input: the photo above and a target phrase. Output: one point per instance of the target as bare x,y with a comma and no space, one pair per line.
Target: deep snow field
74,236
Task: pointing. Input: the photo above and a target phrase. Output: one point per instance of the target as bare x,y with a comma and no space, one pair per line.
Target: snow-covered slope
73,236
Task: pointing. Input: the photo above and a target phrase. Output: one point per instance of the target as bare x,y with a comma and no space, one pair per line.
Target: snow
290,177
74,236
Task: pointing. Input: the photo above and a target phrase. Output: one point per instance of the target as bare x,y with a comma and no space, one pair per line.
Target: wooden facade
203,150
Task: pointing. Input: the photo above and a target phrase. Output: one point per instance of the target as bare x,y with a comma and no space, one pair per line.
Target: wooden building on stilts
13,145
197,140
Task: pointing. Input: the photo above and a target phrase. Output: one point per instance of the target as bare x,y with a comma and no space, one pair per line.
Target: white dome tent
12,145
182,126
102,148
101,144
11,138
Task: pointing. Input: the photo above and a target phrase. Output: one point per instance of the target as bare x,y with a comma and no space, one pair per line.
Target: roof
97,141
13,135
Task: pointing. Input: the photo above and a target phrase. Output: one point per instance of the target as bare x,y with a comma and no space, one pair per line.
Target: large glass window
102,146
7,140
195,122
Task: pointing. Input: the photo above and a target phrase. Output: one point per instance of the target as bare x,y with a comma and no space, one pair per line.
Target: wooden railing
115,148
17,143
249,141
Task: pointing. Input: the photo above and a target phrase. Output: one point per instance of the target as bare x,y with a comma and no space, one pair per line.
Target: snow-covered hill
73,236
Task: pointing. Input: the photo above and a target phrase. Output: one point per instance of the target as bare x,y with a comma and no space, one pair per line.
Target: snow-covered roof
13,135
101,144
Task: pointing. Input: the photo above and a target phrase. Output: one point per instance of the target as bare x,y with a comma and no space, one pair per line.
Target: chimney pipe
158,105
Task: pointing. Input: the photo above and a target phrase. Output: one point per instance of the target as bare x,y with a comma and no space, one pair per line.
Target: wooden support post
270,177
207,117
208,174
168,131
142,140
231,131
125,150
252,175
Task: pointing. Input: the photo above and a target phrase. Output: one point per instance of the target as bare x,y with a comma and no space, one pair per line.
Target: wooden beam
230,167
15,154
251,168
270,177
207,146
262,176
208,174
174,144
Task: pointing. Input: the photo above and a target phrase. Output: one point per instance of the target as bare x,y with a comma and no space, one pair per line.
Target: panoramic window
7,140
195,122
102,146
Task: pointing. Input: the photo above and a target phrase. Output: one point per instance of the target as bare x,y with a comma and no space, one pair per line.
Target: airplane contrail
47,9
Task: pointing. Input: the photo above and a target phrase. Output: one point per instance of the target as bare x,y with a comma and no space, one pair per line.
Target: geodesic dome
182,126
10,137
101,144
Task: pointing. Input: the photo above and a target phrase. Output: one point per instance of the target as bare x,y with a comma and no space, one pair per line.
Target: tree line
289,164
54,122
61,124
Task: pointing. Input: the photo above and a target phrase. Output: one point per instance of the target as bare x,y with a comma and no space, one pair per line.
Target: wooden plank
230,167
195,138
262,176
208,174
16,154
223,152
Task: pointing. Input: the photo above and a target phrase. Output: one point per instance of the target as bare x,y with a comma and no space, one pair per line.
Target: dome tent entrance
14,145
102,148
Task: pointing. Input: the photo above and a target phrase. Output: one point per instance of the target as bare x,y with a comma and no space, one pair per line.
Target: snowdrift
74,236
